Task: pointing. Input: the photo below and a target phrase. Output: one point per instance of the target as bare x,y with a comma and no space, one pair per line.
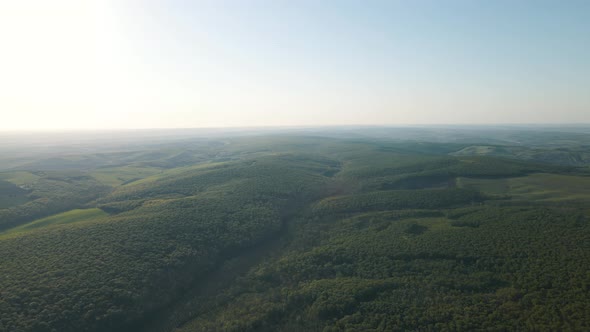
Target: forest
350,229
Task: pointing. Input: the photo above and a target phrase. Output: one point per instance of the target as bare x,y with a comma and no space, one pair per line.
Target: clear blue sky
138,64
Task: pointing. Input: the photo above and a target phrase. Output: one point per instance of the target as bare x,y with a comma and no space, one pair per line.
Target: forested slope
515,269
108,275
430,258
296,234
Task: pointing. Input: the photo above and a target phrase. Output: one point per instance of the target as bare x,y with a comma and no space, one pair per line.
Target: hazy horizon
125,65
540,126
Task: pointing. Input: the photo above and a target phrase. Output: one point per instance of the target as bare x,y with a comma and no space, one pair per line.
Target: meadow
546,188
71,216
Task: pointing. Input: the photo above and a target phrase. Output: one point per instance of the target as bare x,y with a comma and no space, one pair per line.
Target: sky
116,64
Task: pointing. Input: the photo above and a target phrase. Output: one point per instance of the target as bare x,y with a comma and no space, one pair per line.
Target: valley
322,232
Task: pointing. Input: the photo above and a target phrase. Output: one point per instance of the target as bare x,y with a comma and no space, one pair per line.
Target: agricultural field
115,176
19,178
72,216
535,187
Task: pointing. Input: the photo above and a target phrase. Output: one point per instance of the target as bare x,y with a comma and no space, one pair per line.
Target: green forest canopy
295,233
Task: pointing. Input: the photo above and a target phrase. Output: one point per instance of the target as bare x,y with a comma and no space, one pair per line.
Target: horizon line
316,126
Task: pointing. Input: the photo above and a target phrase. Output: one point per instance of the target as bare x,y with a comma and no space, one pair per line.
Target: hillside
295,233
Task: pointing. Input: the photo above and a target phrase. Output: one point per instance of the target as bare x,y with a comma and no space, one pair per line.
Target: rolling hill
296,233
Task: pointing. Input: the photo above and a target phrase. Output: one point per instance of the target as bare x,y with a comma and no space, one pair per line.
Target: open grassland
535,187
52,193
20,178
115,176
173,172
69,217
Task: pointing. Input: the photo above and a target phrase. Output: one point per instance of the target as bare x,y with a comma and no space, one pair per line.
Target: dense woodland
339,232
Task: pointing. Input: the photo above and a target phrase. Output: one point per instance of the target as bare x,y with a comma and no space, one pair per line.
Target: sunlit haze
165,64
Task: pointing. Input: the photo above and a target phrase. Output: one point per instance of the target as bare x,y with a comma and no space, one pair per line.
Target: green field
19,178
69,217
115,176
535,187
